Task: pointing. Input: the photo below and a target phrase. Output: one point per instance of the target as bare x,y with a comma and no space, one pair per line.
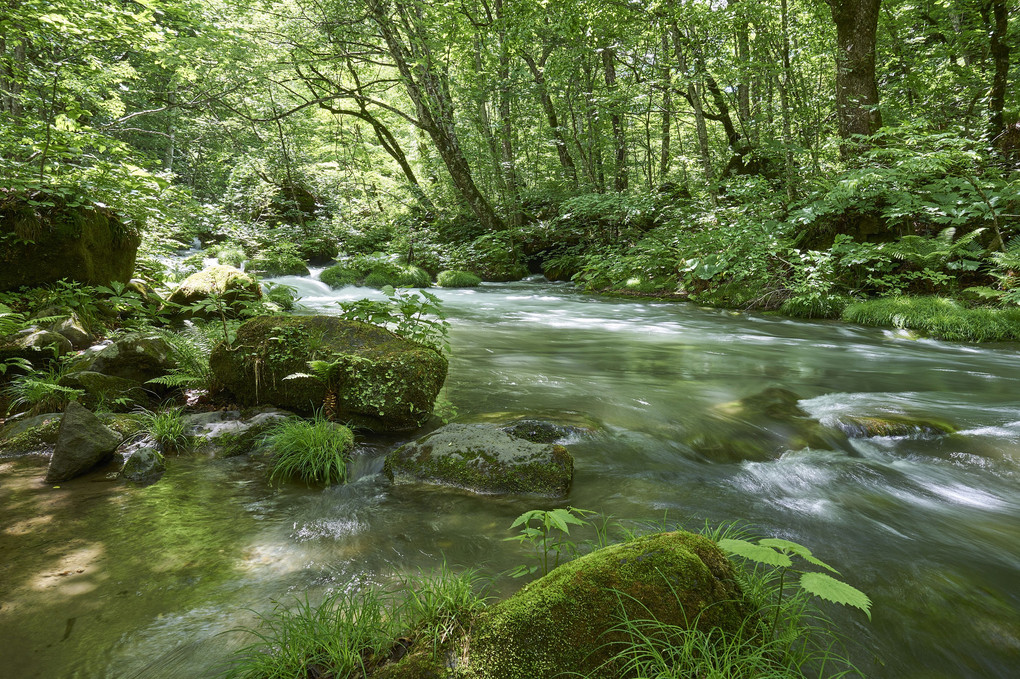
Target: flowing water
99,579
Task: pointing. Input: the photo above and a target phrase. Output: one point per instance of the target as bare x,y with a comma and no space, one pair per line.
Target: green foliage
167,428
340,276
457,279
440,606
938,317
282,295
231,256
492,257
779,553
547,536
190,349
340,637
315,451
40,391
415,316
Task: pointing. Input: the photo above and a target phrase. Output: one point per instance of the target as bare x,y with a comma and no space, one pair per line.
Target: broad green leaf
759,553
829,588
798,549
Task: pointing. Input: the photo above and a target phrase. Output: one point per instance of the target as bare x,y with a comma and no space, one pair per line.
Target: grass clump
313,451
938,317
167,428
457,279
398,276
354,633
231,256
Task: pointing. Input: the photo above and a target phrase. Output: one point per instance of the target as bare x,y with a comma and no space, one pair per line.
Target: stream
102,579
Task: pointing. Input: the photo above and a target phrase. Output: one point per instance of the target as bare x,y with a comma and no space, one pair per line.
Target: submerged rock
891,425
567,623
760,427
145,466
537,431
83,442
380,381
483,459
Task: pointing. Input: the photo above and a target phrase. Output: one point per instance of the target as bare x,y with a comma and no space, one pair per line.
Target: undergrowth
313,451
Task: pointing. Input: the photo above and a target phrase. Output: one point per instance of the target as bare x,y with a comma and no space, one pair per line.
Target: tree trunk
427,87
699,113
667,105
856,89
619,131
1000,55
538,75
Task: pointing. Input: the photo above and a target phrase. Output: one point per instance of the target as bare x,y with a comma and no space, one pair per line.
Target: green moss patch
483,459
457,279
564,622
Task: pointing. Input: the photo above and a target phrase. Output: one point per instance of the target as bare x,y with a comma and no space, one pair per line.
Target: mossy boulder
457,279
760,427
36,346
145,465
49,240
30,435
232,285
891,425
83,442
230,433
277,264
483,459
138,357
113,393
566,622
383,382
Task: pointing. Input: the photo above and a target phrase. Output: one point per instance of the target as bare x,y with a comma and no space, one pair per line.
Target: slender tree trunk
856,88
784,98
538,75
699,113
743,62
429,91
667,106
1000,55
509,164
619,129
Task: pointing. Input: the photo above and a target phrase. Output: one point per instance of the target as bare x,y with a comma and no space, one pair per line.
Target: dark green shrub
340,276
457,279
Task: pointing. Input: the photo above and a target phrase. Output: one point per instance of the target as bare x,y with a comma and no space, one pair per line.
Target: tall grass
313,451
167,428
353,632
938,317
457,279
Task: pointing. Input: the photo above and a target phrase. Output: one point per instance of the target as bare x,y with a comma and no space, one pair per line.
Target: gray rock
137,356
74,331
35,345
83,442
484,459
115,393
145,465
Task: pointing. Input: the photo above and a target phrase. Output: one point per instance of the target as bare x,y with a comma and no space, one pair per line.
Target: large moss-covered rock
564,622
138,357
30,435
383,382
112,393
484,459
83,442
49,241
232,285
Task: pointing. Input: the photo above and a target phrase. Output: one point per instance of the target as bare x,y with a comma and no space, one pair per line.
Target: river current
101,579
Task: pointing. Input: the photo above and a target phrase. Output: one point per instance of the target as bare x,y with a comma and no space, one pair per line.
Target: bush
493,257
397,276
313,451
278,262
340,276
938,317
231,256
166,428
457,279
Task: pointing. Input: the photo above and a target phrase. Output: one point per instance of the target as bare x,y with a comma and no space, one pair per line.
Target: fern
190,350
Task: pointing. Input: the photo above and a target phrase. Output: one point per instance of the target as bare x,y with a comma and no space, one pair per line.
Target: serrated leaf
759,553
798,549
829,588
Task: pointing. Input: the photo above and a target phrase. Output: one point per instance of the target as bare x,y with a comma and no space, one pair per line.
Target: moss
40,436
457,279
938,317
340,276
564,621
387,382
892,425
398,276
230,283
278,264
483,459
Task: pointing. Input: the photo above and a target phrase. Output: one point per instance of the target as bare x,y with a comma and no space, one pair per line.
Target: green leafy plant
457,279
315,451
40,391
167,428
416,316
780,553
190,349
548,536
440,605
